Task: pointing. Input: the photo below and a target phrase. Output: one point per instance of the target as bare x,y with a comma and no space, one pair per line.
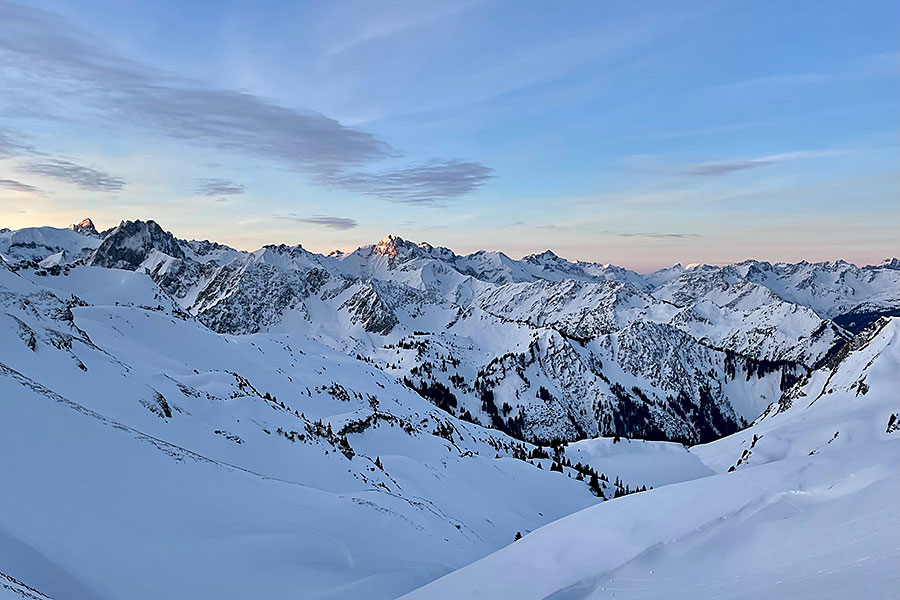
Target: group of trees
438,393
624,489
513,426
760,368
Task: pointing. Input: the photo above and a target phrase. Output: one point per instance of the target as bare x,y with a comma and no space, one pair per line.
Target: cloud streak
660,236
11,143
338,223
426,183
69,172
18,186
652,164
727,167
218,187
47,65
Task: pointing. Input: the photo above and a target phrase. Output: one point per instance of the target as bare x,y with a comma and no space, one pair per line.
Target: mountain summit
85,227
390,246
394,246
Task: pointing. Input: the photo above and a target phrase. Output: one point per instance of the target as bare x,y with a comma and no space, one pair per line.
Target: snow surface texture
805,506
181,419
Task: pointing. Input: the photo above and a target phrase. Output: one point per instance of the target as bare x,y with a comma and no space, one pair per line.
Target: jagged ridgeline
541,348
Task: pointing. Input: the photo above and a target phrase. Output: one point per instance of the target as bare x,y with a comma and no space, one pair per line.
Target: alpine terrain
181,419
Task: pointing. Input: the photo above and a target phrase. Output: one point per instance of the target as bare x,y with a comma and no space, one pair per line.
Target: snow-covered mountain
804,505
183,419
49,245
542,348
148,456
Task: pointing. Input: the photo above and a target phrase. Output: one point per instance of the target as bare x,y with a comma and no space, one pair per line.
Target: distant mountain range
542,348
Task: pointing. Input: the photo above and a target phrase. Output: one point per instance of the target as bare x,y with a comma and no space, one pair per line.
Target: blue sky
641,134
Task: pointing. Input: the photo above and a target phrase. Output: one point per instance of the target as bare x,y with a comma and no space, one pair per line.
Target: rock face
541,347
86,227
131,243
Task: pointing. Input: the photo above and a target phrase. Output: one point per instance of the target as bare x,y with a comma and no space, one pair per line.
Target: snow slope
802,528
40,243
804,506
151,457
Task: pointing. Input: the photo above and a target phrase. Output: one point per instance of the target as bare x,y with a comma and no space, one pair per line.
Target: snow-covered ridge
437,318
137,442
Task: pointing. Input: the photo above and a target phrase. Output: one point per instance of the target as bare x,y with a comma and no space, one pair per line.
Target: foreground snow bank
815,527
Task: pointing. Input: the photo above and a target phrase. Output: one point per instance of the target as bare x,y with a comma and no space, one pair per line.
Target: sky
635,133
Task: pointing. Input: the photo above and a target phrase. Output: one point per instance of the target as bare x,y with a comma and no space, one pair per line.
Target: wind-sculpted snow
751,322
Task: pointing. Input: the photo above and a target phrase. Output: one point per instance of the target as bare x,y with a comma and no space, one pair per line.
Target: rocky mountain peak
86,227
891,263
543,257
393,246
129,244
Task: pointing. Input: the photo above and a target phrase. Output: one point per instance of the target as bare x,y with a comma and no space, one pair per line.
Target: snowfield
820,527
144,458
184,420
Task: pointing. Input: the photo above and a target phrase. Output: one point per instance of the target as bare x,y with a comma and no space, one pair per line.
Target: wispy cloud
84,177
875,66
47,61
726,167
652,164
713,169
784,79
43,53
12,143
18,186
372,29
656,235
426,183
339,223
218,187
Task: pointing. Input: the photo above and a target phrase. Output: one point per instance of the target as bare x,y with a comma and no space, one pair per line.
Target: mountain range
541,348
